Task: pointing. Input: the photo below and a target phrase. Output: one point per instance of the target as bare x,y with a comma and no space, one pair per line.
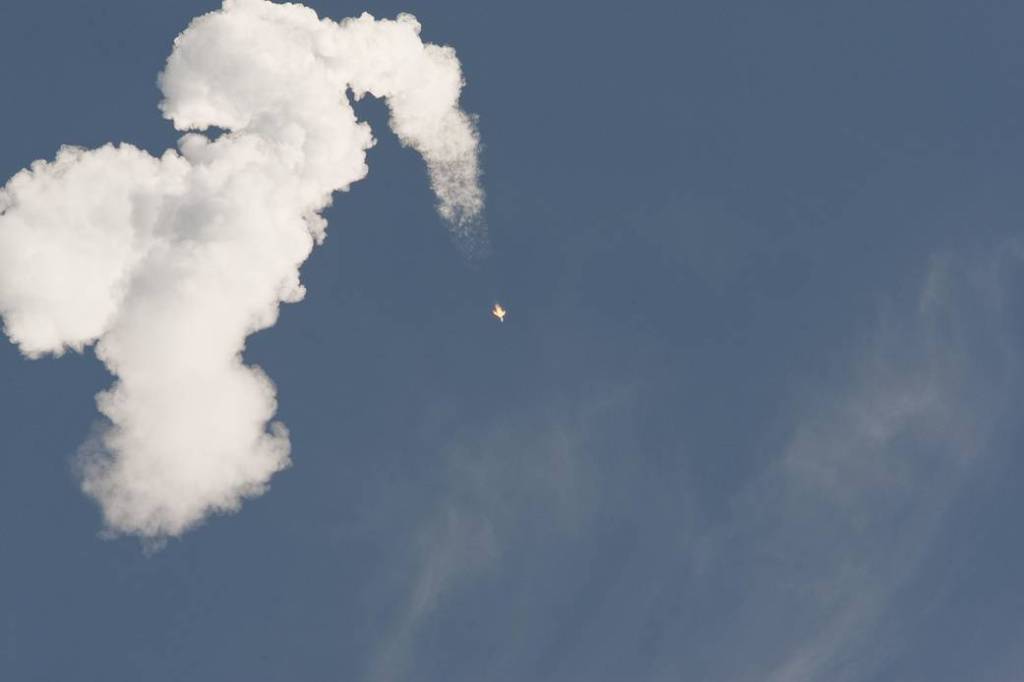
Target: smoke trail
167,264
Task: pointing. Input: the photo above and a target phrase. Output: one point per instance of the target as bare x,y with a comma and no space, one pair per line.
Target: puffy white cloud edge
167,264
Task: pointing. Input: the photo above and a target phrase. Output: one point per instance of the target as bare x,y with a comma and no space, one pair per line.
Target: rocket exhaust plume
168,263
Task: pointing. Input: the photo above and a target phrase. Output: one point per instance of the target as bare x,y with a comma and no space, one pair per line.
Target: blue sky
753,414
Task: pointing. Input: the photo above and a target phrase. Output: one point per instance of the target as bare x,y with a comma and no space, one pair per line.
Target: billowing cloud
168,263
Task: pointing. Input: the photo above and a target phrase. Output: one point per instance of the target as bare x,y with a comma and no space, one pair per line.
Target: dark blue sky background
754,414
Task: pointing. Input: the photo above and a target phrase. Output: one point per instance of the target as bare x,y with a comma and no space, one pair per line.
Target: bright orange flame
498,312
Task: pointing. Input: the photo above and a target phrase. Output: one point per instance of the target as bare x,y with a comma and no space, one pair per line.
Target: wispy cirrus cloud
844,519
791,579
525,472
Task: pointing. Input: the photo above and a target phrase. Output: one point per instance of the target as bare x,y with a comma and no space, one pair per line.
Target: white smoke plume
167,264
